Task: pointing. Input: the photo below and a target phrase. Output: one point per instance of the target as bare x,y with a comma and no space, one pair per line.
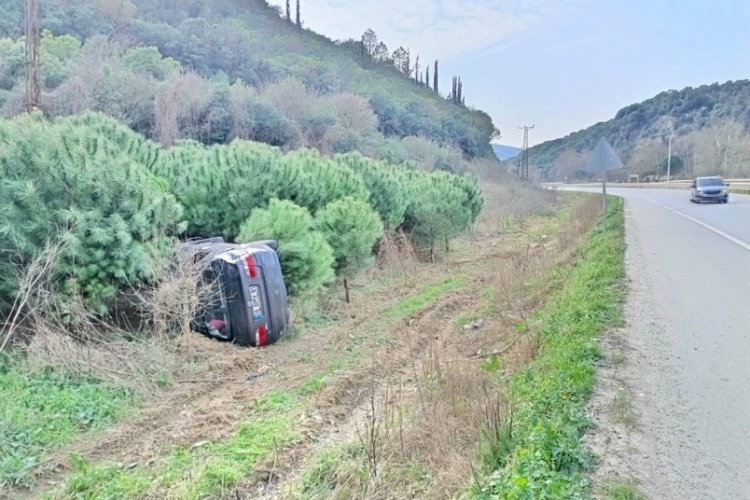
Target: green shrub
306,258
386,184
352,228
220,186
62,180
320,180
438,209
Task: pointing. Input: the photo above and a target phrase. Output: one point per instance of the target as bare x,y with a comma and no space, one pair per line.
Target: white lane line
721,233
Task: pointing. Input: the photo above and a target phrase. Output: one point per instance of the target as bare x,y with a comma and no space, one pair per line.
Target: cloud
434,28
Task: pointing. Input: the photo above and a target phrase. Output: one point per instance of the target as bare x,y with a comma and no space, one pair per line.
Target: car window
711,181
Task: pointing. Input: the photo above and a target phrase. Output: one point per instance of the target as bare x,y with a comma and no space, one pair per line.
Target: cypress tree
435,78
299,18
288,11
427,76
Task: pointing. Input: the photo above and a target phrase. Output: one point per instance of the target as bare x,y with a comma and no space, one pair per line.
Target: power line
523,166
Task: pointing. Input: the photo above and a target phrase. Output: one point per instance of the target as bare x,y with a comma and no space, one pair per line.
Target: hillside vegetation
709,125
116,200
217,70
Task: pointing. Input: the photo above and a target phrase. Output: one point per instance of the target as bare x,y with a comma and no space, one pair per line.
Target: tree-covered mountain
505,152
693,116
215,70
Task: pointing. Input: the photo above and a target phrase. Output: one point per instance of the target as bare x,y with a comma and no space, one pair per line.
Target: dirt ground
388,361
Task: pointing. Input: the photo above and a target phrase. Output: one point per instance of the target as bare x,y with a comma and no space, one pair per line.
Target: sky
560,65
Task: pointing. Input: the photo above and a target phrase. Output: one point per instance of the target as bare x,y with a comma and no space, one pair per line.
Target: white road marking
721,233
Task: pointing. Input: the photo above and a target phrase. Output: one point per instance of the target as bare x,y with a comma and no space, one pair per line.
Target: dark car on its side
244,299
709,189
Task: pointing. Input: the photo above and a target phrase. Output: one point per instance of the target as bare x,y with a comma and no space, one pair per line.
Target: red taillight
260,336
250,266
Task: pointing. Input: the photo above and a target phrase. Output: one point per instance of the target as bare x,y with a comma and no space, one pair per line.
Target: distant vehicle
244,297
709,189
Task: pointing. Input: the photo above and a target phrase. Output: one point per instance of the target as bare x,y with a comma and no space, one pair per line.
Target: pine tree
71,181
387,186
306,258
438,209
351,227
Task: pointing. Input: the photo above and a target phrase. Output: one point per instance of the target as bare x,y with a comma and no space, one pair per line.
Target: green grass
616,490
542,456
42,410
417,302
208,470
622,410
336,466
312,385
464,319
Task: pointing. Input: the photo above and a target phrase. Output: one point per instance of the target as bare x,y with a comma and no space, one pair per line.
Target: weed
417,302
622,409
43,410
492,364
312,385
618,359
616,490
339,468
302,357
464,319
549,396
208,470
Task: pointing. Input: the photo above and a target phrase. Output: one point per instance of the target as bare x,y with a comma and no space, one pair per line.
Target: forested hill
684,113
214,70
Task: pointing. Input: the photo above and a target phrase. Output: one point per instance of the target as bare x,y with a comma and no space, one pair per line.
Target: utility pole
33,96
523,170
669,158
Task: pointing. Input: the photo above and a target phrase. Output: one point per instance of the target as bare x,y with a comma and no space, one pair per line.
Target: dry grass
71,338
396,255
417,404
424,427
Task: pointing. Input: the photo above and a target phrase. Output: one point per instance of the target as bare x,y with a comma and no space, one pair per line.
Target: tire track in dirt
214,403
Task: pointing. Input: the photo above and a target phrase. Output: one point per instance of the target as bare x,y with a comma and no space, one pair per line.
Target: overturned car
243,296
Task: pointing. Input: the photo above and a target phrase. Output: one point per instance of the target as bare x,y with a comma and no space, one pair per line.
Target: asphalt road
688,336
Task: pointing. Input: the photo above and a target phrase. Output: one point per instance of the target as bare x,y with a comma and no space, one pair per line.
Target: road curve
688,338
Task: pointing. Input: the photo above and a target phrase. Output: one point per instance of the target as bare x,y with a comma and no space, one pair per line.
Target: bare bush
66,334
396,254
34,285
179,289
